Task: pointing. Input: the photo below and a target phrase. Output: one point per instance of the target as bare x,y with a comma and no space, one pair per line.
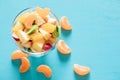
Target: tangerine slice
43,12
24,67
81,70
30,19
45,70
63,47
65,24
18,54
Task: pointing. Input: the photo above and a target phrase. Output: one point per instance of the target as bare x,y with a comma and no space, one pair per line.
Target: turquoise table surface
94,40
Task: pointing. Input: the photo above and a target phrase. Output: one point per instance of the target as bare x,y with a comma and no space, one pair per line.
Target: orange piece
63,47
24,67
30,19
45,70
81,70
18,54
65,24
43,12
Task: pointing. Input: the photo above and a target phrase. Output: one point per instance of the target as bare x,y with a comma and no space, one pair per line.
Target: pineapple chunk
45,34
37,37
17,27
37,46
53,39
23,36
27,44
48,27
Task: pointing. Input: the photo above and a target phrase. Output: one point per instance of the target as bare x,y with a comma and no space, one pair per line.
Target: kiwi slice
33,29
57,31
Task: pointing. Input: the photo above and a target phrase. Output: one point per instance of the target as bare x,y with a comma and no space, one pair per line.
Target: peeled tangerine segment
30,19
25,65
81,70
45,70
63,47
18,54
43,12
48,27
65,24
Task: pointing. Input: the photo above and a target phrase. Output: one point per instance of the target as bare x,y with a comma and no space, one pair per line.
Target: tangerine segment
65,24
24,67
18,54
63,47
43,12
30,19
45,70
81,70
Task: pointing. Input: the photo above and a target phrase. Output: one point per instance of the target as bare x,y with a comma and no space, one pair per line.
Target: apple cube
51,20
23,36
45,34
15,37
18,26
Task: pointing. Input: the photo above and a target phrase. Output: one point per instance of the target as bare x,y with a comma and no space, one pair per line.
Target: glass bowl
42,53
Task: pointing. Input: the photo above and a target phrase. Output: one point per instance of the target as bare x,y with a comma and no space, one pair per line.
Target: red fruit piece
47,46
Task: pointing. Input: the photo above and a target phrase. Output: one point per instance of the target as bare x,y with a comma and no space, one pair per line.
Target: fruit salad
36,30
